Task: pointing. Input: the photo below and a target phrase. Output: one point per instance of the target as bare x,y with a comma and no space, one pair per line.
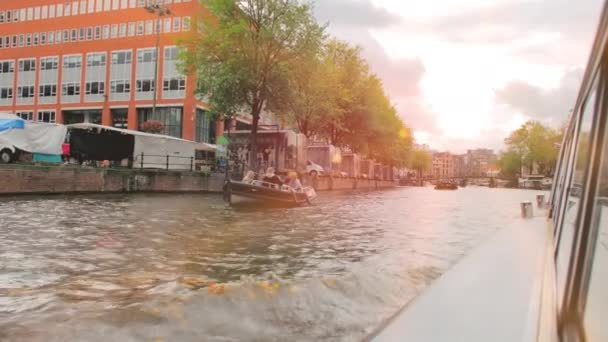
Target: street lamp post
160,10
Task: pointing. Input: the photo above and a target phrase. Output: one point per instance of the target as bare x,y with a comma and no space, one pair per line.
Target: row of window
146,55
131,29
92,88
42,115
71,8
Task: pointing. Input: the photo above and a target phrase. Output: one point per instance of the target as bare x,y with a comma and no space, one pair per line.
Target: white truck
18,135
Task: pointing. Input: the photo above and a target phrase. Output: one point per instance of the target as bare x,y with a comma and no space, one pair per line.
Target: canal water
185,267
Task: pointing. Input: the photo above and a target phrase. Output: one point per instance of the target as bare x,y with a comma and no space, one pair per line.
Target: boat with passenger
265,192
542,278
269,190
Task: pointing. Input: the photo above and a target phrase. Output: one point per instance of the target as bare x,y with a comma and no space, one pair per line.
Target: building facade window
96,59
95,88
176,24
203,126
70,89
174,84
48,90
6,93
25,91
145,85
146,55
70,62
131,29
149,26
120,86
106,31
171,117
49,63
27,65
25,115
7,67
121,57
46,116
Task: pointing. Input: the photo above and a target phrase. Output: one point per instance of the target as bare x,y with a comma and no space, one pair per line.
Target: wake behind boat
265,192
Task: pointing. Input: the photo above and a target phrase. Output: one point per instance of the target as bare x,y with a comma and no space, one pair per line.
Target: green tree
531,144
243,51
509,163
421,161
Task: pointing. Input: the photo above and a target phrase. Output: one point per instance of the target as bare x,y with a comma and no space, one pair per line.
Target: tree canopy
533,144
253,56
243,51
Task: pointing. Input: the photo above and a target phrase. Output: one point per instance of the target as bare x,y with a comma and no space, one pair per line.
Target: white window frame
177,24
186,24
52,116
121,51
122,30
105,32
131,29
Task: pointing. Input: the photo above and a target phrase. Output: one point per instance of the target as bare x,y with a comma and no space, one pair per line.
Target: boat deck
501,279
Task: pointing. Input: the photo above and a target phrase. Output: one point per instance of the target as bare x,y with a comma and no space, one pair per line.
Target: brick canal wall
31,179
26,179
327,183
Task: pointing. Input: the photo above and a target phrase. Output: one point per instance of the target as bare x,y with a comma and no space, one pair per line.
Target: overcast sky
464,73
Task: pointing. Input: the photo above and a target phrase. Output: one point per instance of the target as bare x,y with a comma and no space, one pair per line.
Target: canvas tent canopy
110,143
33,137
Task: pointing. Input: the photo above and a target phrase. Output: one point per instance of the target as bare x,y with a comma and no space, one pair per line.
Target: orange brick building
93,61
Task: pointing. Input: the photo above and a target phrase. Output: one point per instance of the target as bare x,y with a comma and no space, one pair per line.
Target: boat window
562,178
572,203
596,308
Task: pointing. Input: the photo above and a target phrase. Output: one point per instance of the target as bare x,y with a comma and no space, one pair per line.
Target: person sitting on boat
293,181
270,177
249,177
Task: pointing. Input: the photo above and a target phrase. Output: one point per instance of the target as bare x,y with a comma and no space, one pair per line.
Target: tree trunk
253,151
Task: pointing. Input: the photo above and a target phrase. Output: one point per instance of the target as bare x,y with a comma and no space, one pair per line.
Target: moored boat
264,192
445,185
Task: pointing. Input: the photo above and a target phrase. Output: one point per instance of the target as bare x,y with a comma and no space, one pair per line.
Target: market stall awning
10,121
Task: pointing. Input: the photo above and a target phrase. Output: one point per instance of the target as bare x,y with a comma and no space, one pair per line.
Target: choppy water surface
185,267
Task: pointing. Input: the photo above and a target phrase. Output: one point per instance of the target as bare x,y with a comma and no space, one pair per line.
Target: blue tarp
11,123
47,158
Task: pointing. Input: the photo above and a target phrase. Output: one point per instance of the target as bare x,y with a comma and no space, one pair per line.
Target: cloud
511,20
354,13
548,105
352,20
